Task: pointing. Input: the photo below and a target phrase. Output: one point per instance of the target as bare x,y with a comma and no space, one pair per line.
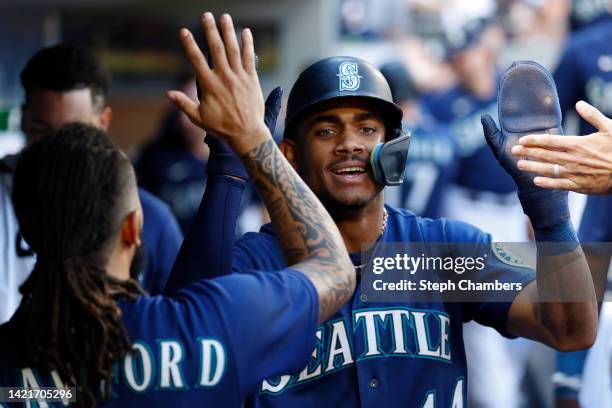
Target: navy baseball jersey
385,354
209,345
595,226
587,13
596,223
585,71
431,167
162,238
478,168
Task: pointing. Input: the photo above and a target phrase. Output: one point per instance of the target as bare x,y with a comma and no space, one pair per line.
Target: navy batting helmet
341,77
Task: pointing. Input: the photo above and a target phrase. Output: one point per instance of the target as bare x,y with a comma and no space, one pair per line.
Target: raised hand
232,105
222,160
528,103
232,108
584,163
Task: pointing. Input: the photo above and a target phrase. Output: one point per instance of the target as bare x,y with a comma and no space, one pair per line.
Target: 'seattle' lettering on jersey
385,354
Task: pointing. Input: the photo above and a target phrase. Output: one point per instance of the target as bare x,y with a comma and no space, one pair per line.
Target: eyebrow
367,116
357,117
325,118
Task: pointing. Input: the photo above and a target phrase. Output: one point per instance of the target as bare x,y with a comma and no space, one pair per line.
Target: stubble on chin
334,201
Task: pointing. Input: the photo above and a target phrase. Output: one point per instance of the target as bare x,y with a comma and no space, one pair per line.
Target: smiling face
332,152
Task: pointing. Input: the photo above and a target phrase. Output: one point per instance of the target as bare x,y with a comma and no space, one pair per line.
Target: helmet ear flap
388,160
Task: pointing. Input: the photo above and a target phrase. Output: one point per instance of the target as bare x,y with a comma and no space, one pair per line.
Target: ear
131,228
287,148
105,118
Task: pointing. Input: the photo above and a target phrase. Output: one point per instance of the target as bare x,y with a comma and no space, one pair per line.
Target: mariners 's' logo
348,72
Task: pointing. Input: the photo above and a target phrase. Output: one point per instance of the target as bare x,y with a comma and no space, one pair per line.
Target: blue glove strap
544,207
556,239
563,232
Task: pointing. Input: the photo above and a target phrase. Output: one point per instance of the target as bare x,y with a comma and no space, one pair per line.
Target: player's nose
350,141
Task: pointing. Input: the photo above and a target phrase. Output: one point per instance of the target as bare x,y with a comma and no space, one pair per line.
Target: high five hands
232,105
577,163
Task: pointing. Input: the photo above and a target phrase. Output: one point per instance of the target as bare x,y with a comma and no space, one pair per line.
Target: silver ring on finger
556,170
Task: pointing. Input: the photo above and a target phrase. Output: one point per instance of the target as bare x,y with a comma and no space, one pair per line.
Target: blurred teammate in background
584,72
173,166
582,164
586,13
483,195
65,84
432,160
482,190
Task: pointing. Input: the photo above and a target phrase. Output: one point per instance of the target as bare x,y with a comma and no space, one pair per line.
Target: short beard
346,207
333,204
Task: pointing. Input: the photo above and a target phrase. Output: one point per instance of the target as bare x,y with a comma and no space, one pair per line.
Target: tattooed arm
308,236
232,108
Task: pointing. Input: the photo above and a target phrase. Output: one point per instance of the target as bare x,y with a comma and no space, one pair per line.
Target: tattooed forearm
308,236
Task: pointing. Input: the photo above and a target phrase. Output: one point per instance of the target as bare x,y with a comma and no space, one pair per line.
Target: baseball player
172,166
66,84
481,192
584,71
406,353
585,377
585,13
481,189
84,323
581,164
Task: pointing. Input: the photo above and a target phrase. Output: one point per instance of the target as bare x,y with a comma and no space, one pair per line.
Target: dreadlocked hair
70,195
